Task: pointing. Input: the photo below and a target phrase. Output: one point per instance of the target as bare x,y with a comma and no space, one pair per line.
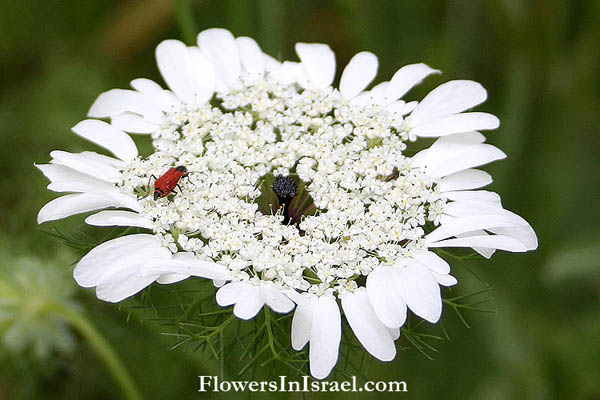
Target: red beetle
165,185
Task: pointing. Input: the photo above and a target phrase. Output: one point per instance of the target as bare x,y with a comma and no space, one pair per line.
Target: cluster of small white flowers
372,207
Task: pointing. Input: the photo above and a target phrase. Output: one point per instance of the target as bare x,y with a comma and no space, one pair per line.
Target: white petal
231,293
325,337
133,123
464,180
452,226
483,196
273,67
319,62
113,162
370,332
499,242
302,322
275,299
114,266
167,279
472,156
405,79
360,71
185,263
65,179
449,98
457,123
107,136
220,48
485,252
203,75
447,146
294,72
251,56
72,204
82,163
432,261
163,99
117,101
249,304
445,279
185,71
119,218
394,333
385,295
421,291
377,95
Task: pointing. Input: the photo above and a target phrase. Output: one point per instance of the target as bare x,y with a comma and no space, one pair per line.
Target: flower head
298,192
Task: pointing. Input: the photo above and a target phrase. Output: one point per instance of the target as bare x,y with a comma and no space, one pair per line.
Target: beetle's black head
157,194
182,169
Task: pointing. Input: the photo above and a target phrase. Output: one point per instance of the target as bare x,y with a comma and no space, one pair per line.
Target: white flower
358,206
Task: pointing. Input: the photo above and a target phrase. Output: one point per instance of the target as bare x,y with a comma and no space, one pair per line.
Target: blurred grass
539,61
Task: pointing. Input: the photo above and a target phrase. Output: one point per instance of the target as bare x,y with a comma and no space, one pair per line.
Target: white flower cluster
372,205
367,217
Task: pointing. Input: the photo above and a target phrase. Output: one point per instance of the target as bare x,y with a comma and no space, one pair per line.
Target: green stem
185,19
102,348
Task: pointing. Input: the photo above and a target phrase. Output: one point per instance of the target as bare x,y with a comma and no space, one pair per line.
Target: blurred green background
539,61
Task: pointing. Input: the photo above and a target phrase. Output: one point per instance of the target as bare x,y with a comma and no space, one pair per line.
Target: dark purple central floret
284,187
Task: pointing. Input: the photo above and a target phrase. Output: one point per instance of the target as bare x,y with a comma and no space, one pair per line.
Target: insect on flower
165,185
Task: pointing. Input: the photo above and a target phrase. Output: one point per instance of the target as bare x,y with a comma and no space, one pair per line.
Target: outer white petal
168,279
114,266
319,62
499,242
445,279
360,71
203,75
119,218
275,299
186,71
452,226
432,261
377,95
405,79
482,196
117,101
220,48
472,156
251,56
464,180
325,337
163,99
519,228
107,136
384,292
113,162
294,72
447,146
421,291
485,252
65,179
249,304
83,163
273,67
187,264
231,293
133,123
449,98
394,332
72,204
302,322
371,333
457,123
